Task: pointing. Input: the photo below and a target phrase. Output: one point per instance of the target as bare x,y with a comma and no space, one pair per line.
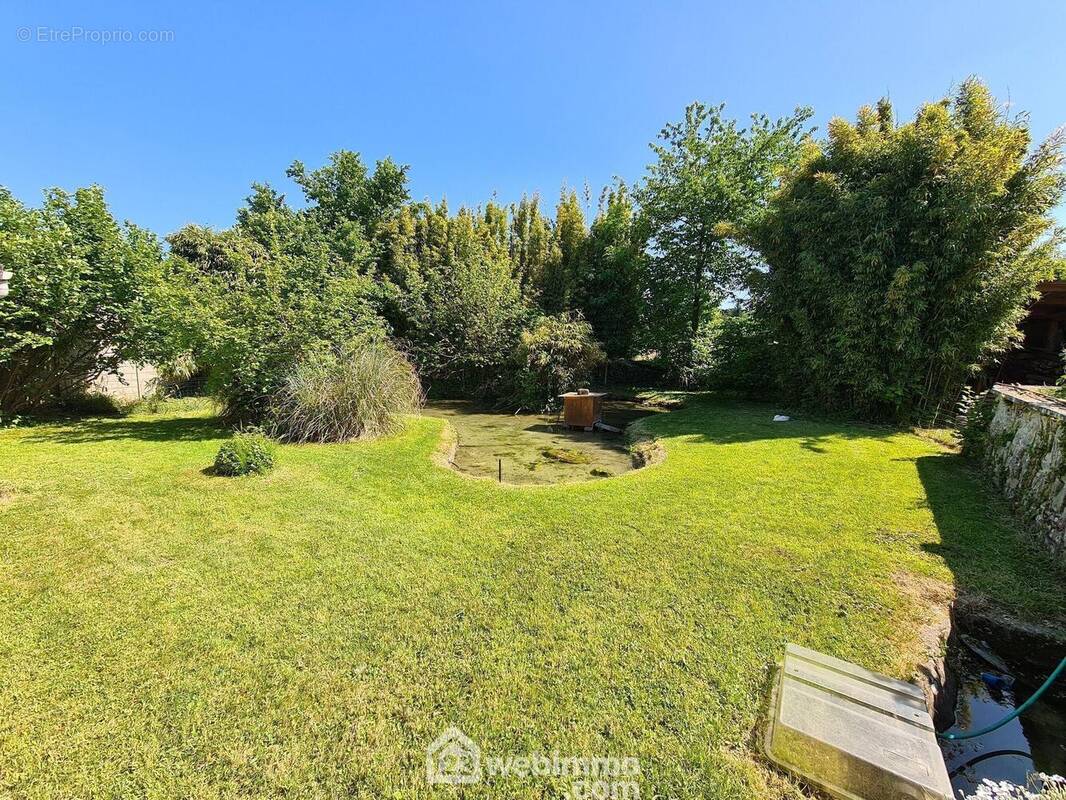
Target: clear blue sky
497,97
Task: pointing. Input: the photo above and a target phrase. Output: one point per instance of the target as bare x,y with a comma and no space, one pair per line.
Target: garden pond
538,448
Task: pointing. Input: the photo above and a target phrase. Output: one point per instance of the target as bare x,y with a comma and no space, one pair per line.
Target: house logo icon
453,758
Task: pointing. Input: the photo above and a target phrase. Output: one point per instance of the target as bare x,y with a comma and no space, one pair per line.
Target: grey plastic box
853,733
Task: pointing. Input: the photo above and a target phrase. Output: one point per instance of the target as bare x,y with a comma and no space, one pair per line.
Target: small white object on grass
781,418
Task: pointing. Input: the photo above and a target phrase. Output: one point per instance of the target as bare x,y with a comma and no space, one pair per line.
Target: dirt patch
7,493
936,635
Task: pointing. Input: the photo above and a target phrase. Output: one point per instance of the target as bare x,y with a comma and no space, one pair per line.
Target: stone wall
1025,452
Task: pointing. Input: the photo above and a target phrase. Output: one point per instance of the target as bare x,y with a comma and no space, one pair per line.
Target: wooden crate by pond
582,409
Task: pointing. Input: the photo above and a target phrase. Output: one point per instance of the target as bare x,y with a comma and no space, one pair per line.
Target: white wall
137,379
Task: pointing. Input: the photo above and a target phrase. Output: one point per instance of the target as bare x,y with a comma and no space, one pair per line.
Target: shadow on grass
989,552
182,429
725,421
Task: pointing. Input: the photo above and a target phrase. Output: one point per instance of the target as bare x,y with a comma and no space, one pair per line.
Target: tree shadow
988,551
182,429
724,421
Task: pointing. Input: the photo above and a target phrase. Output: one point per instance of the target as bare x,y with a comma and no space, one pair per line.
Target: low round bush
362,391
248,452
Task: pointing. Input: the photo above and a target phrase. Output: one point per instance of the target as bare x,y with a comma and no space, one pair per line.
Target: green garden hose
996,725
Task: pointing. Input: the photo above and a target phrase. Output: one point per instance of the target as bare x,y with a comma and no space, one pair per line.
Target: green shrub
900,258
978,414
361,392
82,296
255,313
94,404
553,357
248,452
732,351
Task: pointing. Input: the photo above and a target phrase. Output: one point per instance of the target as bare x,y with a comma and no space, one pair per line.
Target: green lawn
166,633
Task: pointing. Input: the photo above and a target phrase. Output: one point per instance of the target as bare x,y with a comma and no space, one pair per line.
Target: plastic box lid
854,733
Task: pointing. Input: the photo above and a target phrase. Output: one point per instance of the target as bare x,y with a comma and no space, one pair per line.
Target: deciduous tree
81,297
709,174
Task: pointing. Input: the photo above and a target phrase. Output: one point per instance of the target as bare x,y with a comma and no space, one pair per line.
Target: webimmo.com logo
454,758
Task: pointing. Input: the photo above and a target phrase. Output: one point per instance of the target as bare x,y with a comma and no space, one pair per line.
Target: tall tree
348,202
900,258
709,174
557,284
533,246
607,273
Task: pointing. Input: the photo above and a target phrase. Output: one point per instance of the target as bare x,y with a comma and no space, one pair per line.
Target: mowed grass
165,633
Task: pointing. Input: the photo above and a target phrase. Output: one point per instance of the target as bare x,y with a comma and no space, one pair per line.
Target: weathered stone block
1026,457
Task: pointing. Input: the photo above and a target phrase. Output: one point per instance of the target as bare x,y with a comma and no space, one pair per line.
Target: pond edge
645,449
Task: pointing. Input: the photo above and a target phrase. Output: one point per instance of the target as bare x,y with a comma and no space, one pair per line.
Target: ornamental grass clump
360,392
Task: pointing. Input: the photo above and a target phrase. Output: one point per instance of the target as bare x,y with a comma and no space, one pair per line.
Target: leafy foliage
248,452
361,391
92,403
81,298
607,275
285,286
709,176
552,357
734,350
254,314
557,285
894,262
534,252
460,307
900,258
349,204
978,417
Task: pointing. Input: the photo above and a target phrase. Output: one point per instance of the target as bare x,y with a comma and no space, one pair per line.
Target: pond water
1034,742
537,448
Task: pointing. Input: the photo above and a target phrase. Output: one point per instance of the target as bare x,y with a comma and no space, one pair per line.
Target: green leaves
900,258
81,296
552,357
709,173
349,204
607,275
